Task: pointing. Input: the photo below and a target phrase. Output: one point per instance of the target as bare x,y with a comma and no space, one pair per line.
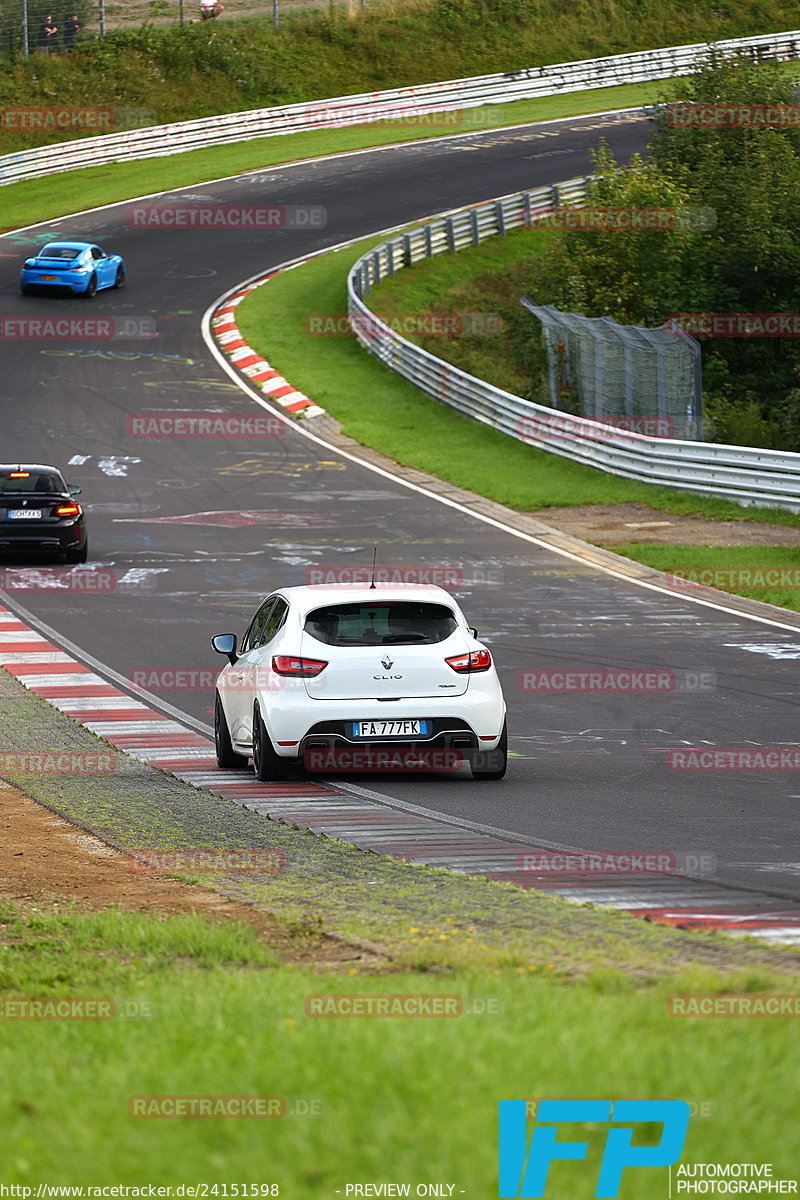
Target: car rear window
31,481
67,252
394,623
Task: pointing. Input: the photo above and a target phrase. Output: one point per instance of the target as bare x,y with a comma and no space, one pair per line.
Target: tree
749,262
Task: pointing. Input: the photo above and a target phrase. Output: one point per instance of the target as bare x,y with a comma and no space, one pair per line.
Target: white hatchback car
345,666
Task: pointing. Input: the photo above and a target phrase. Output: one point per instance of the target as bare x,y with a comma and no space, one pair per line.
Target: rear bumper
48,539
472,721
449,733
71,287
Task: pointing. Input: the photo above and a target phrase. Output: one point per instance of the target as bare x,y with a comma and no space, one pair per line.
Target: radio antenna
374,560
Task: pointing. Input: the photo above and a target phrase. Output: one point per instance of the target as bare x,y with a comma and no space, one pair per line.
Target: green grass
745,570
408,1099
380,409
43,199
182,73
487,279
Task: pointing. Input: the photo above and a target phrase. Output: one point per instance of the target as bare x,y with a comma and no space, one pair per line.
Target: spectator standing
46,40
71,30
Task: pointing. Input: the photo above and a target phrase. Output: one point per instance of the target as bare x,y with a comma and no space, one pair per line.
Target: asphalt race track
197,531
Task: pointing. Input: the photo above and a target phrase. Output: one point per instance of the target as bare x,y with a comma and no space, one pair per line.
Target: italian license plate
24,514
384,729
49,278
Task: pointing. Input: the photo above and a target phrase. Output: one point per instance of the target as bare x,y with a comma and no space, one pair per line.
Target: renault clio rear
348,665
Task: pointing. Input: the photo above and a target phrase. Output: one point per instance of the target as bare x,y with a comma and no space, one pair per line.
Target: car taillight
19,475
284,664
68,510
478,660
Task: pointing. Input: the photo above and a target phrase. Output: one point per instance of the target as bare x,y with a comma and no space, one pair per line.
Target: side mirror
225,643
473,631
73,489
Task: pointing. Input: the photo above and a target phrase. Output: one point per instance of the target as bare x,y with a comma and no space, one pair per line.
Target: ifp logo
524,1167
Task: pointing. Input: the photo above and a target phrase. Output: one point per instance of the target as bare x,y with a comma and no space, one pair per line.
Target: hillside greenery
179,73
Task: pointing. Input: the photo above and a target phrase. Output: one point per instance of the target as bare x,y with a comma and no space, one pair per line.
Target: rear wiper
404,637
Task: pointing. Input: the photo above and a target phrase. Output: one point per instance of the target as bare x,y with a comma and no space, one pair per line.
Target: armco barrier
398,103
749,476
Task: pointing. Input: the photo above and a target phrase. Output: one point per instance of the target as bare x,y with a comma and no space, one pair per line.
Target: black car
39,513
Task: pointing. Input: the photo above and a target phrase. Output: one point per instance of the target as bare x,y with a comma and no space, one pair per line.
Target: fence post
476,233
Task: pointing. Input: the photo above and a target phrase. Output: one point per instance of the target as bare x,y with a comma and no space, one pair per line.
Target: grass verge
380,409
206,1013
768,573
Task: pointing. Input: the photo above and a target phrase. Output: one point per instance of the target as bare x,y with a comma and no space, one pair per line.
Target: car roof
39,467
305,598
72,245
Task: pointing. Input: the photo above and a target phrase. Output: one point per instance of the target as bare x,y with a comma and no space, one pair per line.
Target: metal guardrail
749,476
421,101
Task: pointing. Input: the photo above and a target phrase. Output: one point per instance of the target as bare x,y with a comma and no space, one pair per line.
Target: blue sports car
79,267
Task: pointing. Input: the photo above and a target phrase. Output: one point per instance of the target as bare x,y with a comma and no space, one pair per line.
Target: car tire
119,281
91,287
79,555
25,291
226,755
491,764
268,766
